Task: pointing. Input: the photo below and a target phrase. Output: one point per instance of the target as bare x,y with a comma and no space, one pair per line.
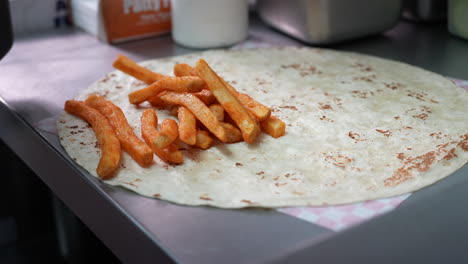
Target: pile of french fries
206,106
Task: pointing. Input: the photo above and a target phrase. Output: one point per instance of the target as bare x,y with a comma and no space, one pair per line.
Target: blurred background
36,227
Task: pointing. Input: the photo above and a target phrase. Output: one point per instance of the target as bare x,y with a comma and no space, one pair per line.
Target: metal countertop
45,69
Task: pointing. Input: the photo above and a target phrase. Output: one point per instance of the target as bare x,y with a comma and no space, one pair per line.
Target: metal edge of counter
104,216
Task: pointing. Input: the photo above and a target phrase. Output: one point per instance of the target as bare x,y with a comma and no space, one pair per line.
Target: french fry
218,111
168,133
199,110
183,69
204,141
157,102
260,111
230,103
206,96
189,84
170,154
137,149
274,127
233,134
187,126
110,145
131,68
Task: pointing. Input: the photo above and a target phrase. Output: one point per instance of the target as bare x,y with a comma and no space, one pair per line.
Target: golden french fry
187,126
204,141
206,96
170,154
131,68
274,127
189,84
137,149
230,103
218,111
183,69
157,102
110,145
233,134
168,133
199,110
260,111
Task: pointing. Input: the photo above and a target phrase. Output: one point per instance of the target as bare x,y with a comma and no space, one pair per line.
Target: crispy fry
131,68
187,126
274,127
206,96
218,111
260,111
168,133
189,84
230,103
137,149
204,141
183,69
149,133
105,135
157,102
199,110
233,134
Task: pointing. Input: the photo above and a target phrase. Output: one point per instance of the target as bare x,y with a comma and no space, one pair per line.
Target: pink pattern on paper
340,217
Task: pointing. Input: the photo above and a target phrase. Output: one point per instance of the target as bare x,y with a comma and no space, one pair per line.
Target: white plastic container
209,23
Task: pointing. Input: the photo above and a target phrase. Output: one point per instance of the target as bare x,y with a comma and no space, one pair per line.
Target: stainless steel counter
45,69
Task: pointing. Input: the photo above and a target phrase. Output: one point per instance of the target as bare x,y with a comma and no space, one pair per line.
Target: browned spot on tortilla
137,180
248,202
422,116
393,85
464,143
420,163
157,195
287,175
292,107
280,184
396,117
304,70
327,119
407,127
276,178
355,136
325,106
434,101
450,155
238,164
386,133
62,121
420,96
260,173
339,160
401,155
360,94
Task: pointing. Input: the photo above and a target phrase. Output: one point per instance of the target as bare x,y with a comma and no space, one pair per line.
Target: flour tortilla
358,128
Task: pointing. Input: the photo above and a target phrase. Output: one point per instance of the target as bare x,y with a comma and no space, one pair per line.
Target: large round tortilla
358,128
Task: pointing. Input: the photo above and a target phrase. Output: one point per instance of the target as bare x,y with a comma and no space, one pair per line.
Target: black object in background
6,34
